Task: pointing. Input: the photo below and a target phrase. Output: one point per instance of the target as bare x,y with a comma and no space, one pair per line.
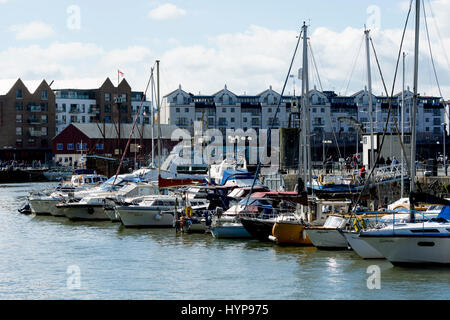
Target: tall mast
402,122
152,112
306,116
415,98
159,123
369,84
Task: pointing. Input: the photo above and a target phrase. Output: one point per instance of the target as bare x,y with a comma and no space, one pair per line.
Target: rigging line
390,103
390,107
132,130
269,133
431,52
321,88
315,66
385,126
439,34
329,116
355,61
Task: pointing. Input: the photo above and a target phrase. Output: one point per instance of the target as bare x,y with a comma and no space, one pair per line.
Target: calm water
116,263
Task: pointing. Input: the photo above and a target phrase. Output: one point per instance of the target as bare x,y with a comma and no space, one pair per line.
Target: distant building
100,105
79,139
333,117
27,123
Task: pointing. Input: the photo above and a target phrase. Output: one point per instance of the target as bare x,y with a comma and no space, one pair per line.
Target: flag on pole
121,73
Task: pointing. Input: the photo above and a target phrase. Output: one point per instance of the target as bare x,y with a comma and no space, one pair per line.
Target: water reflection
121,263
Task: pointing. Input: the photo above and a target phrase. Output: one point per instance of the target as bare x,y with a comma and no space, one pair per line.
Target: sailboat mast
402,120
369,88
306,116
415,98
159,123
152,112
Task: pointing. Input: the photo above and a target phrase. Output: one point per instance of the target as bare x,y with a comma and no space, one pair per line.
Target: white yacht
87,209
365,250
413,243
156,211
44,203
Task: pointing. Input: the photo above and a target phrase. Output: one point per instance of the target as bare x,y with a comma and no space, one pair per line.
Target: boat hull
230,231
361,247
43,207
84,212
135,217
290,233
327,239
421,250
258,228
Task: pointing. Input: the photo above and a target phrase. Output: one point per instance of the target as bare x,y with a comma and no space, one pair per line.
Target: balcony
33,121
33,133
75,110
94,111
35,108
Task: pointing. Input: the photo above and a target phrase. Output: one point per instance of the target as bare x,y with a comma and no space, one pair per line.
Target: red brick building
102,139
27,122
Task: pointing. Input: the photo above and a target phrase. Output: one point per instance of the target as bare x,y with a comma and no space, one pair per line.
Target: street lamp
445,155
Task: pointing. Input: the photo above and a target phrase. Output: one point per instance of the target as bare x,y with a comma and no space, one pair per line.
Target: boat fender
91,210
359,224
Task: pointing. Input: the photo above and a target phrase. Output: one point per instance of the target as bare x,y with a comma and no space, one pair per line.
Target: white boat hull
361,247
135,217
412,250
43,206
327,238
84,213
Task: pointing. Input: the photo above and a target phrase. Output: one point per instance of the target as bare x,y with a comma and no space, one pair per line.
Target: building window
19,105
232,120
124,108
18,131
44,95
107,108
60,147
107,119
224,110
177,110
146,120
19,142
44,131
70,146
232,110
245,120
107,97
19,118
19,94
99,146
186,110
44,118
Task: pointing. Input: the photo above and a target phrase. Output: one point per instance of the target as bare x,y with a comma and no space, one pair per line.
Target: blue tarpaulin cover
236,174
445,213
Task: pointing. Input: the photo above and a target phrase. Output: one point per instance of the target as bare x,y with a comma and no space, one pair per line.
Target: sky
204,45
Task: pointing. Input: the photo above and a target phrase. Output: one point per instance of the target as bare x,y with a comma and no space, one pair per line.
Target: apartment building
27,122
106,104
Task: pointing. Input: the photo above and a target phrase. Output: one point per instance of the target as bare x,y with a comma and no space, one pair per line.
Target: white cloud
32,31
166,11
75,64
248,61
